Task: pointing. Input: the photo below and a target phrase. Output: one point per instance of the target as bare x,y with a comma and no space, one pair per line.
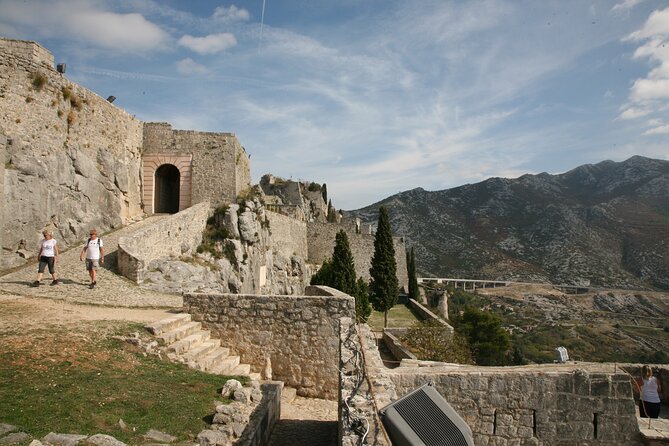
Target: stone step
255,376
211,359
198,352
180,332
241,369
224,366
172,322
189,342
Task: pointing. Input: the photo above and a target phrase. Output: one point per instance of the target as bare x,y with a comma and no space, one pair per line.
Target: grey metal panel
424,418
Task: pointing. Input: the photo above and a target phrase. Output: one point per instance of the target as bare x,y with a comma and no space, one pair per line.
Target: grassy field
84,382
399,316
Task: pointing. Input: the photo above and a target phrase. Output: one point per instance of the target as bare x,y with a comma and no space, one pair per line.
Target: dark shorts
649,410
92,264
44,261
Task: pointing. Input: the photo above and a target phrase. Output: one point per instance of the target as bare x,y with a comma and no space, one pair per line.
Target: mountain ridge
603,224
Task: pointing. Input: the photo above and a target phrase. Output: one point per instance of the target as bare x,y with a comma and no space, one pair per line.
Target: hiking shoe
92,285
36,283
54,282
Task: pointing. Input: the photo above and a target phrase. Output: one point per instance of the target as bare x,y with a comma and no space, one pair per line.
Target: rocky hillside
602,225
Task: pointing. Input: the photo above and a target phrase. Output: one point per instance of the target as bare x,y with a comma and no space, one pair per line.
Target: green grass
399,316
84,382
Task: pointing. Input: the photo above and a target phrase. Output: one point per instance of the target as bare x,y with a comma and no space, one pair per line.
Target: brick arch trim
151,163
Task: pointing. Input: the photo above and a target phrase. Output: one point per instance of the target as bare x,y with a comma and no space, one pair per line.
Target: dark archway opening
166,199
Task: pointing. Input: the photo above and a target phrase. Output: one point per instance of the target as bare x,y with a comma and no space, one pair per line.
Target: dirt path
31,312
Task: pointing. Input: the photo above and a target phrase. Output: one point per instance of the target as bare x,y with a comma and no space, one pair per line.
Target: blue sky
374,97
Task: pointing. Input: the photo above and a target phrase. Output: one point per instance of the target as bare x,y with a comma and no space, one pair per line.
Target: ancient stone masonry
220,165
174,236
321,239
588,404
74,158
299,335
289,236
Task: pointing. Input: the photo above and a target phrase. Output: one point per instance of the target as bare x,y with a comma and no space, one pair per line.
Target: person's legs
92,266
52,270
40,270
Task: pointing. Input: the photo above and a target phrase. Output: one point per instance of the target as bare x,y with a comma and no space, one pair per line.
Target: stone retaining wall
427,315
299,334
171,236
589,404
391,337
289,236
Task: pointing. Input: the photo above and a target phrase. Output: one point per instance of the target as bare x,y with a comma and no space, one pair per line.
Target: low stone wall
264,417
298,334
427,315
584,404
358,412
171,236
391,337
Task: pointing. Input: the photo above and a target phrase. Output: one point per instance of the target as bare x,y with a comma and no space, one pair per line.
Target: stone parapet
427,315
298,335
585,404
171,236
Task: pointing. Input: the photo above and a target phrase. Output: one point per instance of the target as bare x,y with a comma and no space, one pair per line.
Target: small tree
487,339
324,192
411,271
384,287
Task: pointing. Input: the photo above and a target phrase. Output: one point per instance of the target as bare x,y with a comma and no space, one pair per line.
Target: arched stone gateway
166,190
166,181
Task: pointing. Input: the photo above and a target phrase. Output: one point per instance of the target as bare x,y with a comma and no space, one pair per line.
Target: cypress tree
384,287
413,280
339,273
324,193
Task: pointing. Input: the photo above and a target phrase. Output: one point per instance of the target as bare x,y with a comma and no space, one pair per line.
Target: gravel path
112,289
306,421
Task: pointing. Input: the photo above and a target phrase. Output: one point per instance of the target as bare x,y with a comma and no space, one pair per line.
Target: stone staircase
186,342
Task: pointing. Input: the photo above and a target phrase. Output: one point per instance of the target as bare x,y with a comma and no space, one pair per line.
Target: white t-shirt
649,391
48,248
93,249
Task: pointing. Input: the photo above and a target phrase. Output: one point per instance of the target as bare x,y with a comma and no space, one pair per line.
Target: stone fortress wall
71,158
299,334
289,236
173,236
220,165
321,240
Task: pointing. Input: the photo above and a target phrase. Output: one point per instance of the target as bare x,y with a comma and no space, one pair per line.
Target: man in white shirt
94,256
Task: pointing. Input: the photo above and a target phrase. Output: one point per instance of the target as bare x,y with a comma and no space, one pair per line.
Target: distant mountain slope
605,224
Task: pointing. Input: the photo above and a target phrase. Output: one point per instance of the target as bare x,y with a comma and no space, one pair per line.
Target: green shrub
432,341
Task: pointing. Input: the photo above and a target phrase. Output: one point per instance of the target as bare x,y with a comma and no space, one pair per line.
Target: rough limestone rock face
243,265
72,159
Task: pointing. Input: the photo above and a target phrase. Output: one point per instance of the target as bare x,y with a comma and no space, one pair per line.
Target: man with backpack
94,256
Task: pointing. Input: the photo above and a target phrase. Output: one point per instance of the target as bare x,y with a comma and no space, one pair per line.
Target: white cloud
659,130
211,44
231,14
648,95
626,5
188,66
85,22
634,113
